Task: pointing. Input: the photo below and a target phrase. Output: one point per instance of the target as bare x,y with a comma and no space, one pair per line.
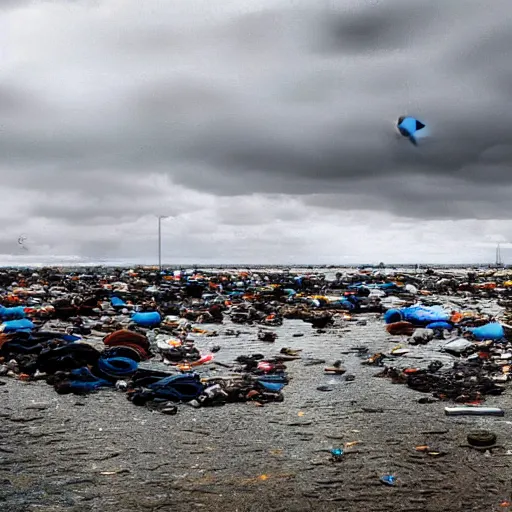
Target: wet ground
101,453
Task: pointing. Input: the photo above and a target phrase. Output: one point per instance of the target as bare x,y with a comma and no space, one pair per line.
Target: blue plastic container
492,331
148,319
440,325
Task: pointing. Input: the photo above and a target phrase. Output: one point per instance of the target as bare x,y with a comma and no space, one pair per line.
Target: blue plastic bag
184,387
18,325
273,387
417,315
15,313
346,304
117,302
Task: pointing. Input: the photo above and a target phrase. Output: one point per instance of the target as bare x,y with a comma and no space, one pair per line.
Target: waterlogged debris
314,362
360,350
473,411
428,400
267,336
399,350
400,329
431,452
337,454
435,366
291,352
464,382
435,453
421,336
388,480
170,410
335,371
458,347
376,359
116,472
482,438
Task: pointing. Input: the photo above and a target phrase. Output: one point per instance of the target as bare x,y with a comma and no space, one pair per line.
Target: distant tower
499,263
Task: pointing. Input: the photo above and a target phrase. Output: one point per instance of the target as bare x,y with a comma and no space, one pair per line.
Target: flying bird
21,242
408,126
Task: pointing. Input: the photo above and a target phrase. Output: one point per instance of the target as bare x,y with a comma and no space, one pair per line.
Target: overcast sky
266,129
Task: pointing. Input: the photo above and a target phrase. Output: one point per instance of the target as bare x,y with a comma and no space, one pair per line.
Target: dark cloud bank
108,109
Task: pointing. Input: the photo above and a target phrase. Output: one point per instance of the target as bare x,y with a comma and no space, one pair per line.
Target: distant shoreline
304,267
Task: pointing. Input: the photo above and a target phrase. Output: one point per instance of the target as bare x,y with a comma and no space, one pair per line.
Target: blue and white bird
408,126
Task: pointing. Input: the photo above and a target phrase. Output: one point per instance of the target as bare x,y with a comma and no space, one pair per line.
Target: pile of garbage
73,366
482,352
90,329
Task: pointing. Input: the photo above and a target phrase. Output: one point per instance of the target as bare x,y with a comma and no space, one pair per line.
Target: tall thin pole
159,243
498,256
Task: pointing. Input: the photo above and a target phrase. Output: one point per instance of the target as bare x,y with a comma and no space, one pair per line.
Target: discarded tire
481,438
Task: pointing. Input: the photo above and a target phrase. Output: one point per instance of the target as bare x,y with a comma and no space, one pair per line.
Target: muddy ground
101,453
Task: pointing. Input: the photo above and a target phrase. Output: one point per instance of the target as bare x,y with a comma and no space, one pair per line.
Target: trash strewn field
132,390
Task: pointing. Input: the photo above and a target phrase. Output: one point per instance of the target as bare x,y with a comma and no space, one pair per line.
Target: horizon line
69,264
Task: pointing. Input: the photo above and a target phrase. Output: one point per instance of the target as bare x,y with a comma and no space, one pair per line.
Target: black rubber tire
481,438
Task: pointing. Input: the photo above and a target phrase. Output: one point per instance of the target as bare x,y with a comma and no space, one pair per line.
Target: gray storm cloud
112,112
